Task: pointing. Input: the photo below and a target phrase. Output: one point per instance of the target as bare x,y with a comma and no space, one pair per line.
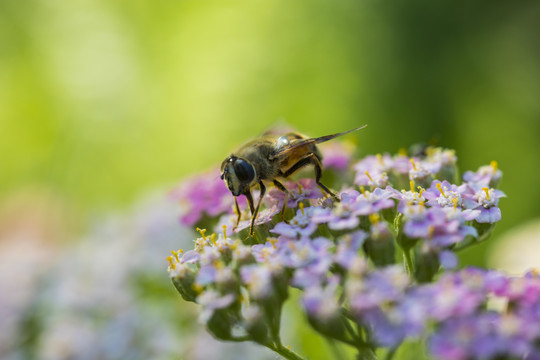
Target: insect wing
300,143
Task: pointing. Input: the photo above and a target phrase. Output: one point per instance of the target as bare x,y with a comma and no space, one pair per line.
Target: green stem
465,246
408,259
365,350
390,354
366,354
347,313
276,325
355,337
284,351
324,231
273,323
240,338
338,354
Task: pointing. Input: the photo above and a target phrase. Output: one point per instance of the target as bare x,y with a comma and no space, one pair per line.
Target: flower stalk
284,351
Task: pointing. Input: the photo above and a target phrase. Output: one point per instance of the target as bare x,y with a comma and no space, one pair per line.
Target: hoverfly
269,158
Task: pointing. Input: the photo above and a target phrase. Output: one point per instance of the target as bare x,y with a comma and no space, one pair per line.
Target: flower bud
323,310
255,324
379,246
220,324
402,239
448,172
183,278
448,164
484,230
243,256
227,281
330,326
219,312
426,264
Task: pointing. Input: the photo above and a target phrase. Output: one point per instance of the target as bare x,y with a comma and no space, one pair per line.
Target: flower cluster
368,266
200,196
474,333
103,295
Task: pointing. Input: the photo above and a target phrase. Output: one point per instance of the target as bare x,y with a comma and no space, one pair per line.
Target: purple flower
372,202
523,290
216,273
258,279
211,300
379,230
242,254
206,275
340,217
265,252
374,179
417,222
373,171
229,220
344,215
311,260
303,189
450,342
485,335
190,257
299,226
300,253
395,309
321,302
336,155
401,164
374,300
313,274
209,255
419,173
448,260
442,226
438,158
379,287
387,326
420,221
484,199
489,215
449,297
179,270
348,248
488,175
374,164
202,194
406,197
444,194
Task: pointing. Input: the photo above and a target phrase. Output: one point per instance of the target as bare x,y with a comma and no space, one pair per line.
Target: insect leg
318,174
309,159
254,216
250,201
281,187
237,209
287,194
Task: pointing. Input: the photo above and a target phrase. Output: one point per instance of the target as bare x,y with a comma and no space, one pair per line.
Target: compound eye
244,171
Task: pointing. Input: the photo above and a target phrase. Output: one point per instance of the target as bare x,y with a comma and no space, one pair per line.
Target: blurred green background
102,100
